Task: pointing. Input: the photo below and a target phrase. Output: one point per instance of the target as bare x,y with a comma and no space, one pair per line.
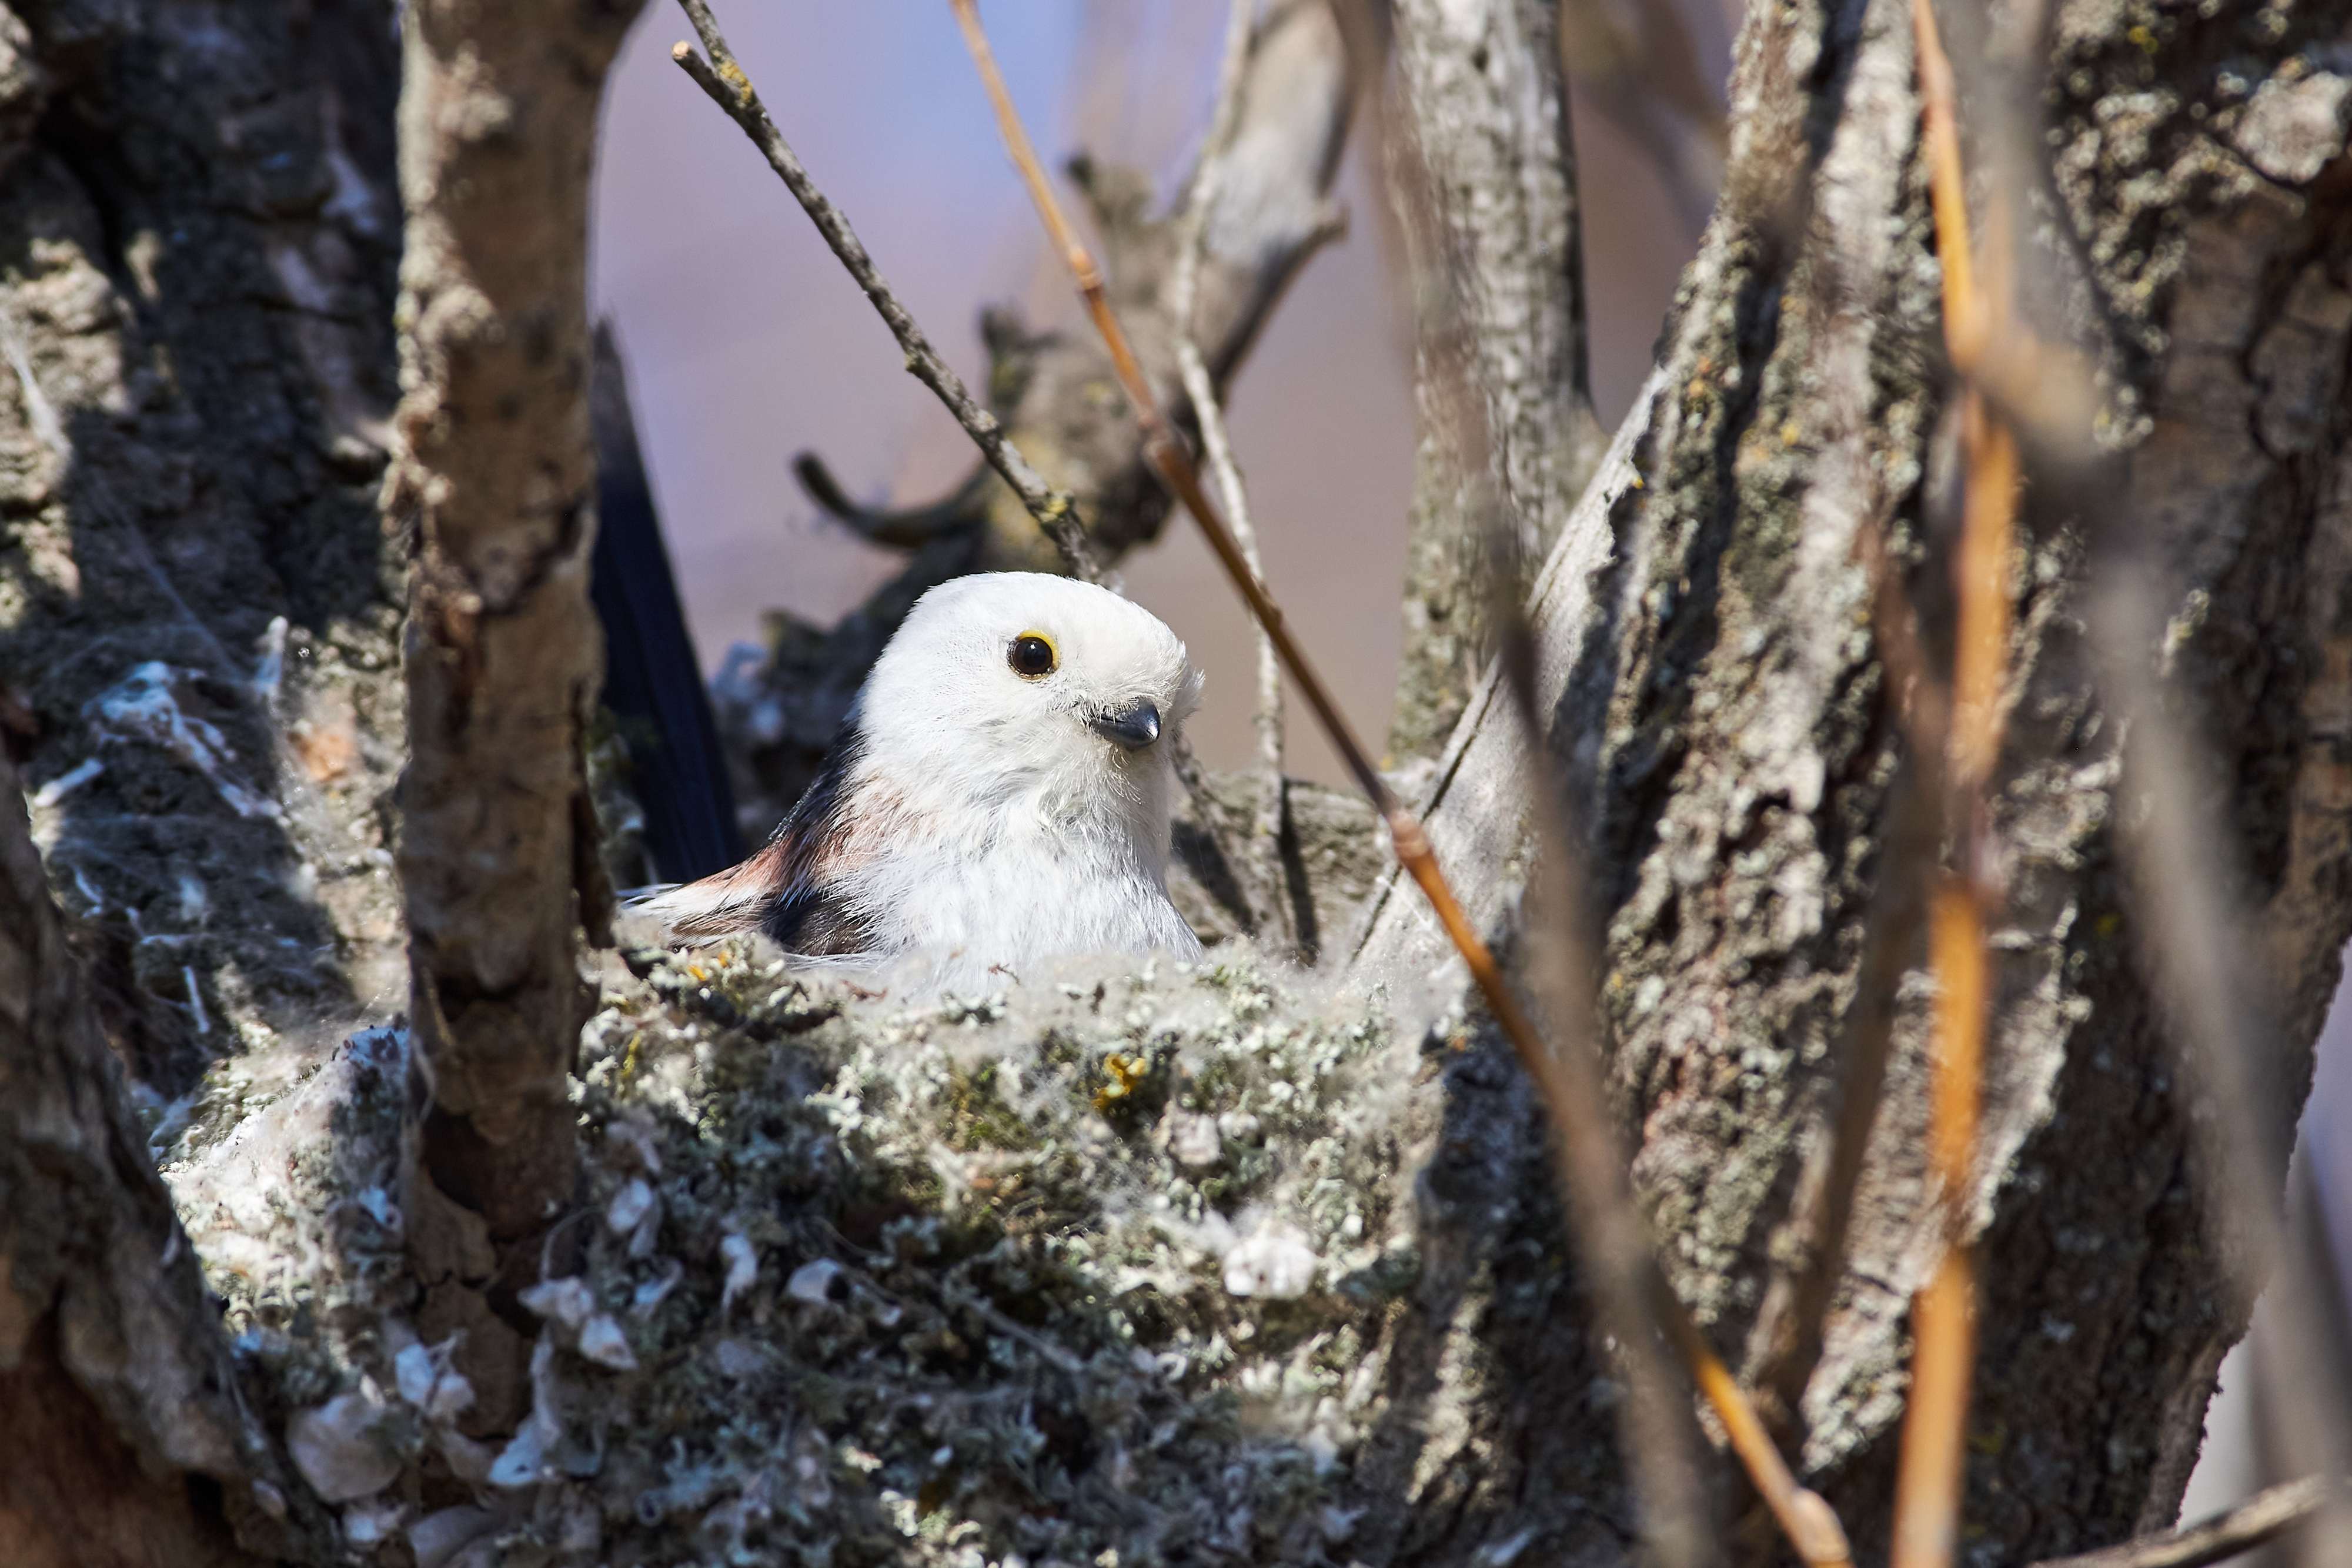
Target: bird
1000,794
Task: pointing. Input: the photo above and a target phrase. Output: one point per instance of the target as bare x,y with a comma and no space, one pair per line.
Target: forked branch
1269,893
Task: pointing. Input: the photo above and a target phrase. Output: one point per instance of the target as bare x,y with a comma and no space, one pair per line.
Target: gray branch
2260,1519
495,472
1483,173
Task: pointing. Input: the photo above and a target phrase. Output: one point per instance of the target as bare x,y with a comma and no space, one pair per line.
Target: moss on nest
1080,1272
993,1312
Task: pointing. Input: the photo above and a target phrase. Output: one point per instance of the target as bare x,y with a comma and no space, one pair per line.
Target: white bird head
1000,794
1020,687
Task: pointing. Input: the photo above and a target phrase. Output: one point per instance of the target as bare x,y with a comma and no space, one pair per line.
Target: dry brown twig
1612,1236
724,81
1265,837
1929,1482
2013,380
1796,1310
1803,1516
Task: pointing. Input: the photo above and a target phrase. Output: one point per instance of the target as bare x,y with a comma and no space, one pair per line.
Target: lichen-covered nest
1080,1273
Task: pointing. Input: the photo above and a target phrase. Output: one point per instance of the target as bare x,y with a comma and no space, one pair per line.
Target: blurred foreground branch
1807,1522
1966,902
2233,1532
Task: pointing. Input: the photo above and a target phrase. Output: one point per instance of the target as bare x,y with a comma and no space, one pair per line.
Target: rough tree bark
496,473
126,1443
1484,174
198,235
1059,401
1721,709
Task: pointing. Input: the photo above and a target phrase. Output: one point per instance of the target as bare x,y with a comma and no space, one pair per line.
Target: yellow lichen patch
1122,1073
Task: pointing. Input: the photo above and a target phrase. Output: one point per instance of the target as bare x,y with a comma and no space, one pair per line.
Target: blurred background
747,344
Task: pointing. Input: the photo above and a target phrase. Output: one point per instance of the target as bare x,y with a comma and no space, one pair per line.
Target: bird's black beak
1133,727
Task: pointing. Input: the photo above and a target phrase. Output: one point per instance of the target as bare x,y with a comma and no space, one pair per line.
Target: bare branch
2264,1517
723,80
1483,171
1270,893
901,528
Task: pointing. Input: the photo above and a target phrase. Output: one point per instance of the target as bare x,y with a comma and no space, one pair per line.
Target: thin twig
723,80
1796,1310
1634,1298
1192,232
2263,1518
1795,1317
1931,1478
1192,223
1808,1521
1166,453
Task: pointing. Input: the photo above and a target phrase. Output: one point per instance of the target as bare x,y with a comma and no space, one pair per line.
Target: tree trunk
1717,696
196,271
495,472
126,1443
1483,175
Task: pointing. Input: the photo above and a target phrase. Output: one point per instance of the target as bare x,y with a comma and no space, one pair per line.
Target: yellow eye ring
1033,655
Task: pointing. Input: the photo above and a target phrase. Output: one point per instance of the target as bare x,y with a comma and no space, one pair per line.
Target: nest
1091,1270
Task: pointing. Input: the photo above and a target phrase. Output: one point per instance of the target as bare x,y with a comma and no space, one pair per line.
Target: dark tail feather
652,681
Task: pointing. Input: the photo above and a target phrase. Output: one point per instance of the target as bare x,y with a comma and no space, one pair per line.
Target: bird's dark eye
1031,656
